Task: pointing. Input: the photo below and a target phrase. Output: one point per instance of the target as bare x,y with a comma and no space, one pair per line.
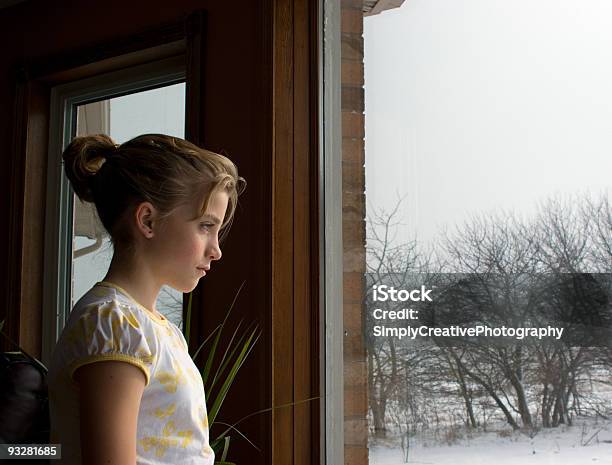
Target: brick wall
353,231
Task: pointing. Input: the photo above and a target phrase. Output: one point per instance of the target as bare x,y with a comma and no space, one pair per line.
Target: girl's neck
136,279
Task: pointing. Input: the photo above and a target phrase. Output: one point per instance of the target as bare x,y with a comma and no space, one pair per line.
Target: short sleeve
108,331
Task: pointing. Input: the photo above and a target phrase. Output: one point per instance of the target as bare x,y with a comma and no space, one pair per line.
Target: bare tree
398,265
597,220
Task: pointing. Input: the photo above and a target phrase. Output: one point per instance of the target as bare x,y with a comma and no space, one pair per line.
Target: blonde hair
164,170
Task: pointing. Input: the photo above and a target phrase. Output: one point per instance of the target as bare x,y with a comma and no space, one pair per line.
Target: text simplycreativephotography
425,297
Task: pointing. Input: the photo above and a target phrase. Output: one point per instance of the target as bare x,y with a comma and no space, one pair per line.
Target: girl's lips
203,270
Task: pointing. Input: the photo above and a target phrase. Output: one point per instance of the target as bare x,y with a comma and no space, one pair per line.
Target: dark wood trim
33,235
27,213
295,234
283,253
15,216
164,40
114,63
195,32
317,320
305,221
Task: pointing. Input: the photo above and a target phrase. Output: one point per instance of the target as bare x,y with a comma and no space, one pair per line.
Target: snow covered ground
555,446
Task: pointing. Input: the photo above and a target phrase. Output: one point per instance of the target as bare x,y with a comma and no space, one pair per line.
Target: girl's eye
206,226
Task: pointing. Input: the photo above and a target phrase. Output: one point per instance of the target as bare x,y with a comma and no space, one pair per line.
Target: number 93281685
21,451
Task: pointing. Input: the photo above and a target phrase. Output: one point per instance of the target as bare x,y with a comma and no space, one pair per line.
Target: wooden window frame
297,309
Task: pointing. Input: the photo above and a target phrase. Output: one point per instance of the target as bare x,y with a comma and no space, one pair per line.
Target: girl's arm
110,393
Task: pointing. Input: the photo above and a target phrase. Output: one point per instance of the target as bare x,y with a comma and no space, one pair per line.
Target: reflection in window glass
488,221
159,110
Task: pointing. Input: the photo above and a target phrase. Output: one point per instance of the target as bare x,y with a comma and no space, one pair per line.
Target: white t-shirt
107,324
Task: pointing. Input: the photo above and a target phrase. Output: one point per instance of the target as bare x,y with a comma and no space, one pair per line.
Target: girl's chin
186,289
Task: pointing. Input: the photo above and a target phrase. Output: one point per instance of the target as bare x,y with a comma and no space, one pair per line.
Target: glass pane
159,110
478,266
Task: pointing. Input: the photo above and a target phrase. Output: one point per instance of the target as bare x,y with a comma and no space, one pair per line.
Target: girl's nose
215,252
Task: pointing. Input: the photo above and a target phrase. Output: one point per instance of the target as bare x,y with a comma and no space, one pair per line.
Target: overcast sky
473,105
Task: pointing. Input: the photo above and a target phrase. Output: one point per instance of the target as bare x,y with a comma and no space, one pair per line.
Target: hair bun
83,157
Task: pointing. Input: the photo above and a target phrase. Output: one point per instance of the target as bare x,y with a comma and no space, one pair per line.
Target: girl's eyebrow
211,217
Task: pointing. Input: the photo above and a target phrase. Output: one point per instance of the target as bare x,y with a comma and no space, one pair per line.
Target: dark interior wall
236,98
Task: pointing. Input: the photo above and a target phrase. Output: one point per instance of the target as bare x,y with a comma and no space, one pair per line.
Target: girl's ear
146,219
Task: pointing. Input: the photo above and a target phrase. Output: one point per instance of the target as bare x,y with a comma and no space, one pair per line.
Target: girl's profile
123,388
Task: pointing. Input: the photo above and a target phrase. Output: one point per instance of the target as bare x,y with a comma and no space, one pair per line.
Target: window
144,99
475,157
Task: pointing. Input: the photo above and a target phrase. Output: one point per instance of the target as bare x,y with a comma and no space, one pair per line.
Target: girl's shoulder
104,296
106,325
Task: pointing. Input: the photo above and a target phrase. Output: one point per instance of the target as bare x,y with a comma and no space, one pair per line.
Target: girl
122,386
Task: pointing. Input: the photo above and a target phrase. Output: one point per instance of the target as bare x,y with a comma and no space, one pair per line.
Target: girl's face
182,249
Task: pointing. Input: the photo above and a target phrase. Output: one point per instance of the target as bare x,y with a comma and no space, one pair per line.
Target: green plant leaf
188,322
246,349
218,328
219,437
213,350
225,448
225,360
237,431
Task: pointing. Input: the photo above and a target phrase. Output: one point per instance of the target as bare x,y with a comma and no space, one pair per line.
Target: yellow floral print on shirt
132,320
171,379
168,412
110,313
161,444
